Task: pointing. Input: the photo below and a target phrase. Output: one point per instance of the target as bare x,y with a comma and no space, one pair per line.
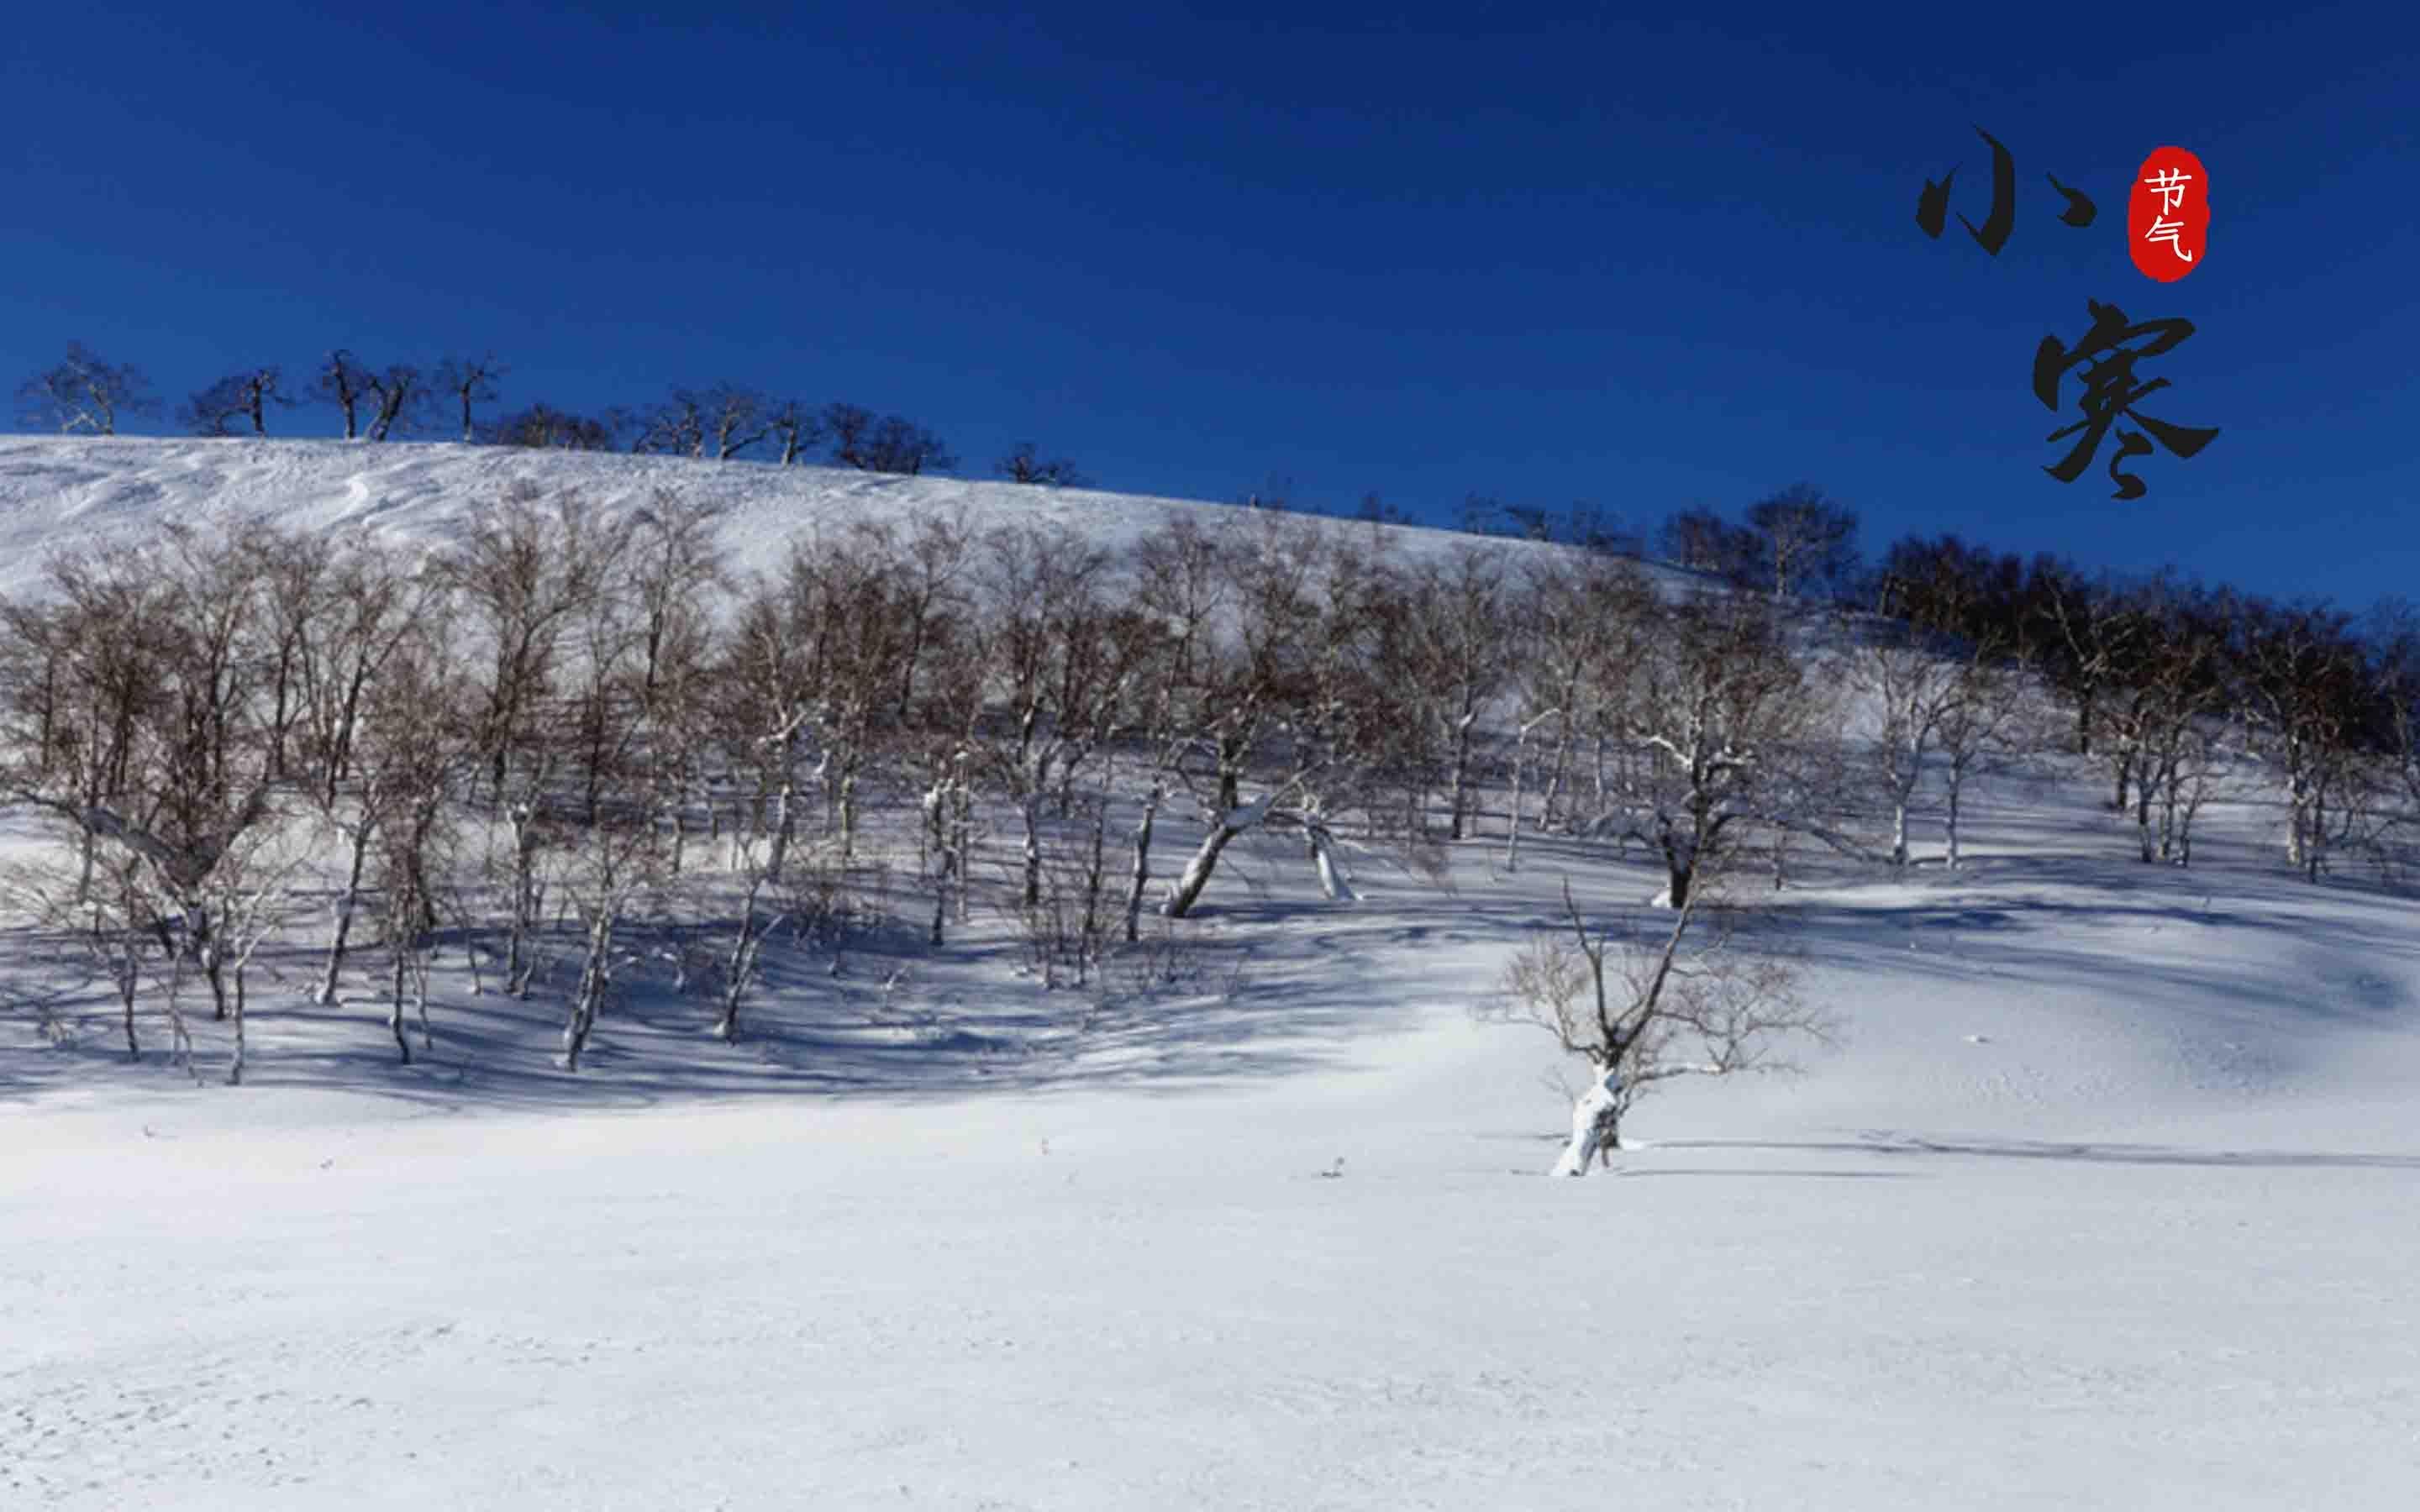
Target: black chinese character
2110,390
1932,204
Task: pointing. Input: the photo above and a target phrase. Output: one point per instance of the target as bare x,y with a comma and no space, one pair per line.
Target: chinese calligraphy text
2110,391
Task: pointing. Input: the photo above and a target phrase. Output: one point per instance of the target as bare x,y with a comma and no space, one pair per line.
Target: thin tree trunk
962,839
326,992
129,979
1461,770
1033,852
1141,874
1555,780
395,1003
742,963
595,976
235,1067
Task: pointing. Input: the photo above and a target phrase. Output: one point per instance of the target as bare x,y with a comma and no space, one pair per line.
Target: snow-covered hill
2108,1196
58,491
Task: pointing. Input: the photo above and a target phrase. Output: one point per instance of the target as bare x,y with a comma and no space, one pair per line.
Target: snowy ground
2109,1198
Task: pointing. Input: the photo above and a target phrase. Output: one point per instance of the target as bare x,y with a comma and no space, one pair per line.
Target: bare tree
239,396
1178,571
891,444
795,429
79,686
616,865
1804,539
407,723
1295,683
1911,688
143,726
2307,680
1458,625
542,426
252,896
2084,628
1980,724
345,613
469,381
1023,464
524,574
83,393
2178,677
344,382
1055,645
737,418
398,400
1583,621
938,728
676,427
1717,704
1642,1014
1703,541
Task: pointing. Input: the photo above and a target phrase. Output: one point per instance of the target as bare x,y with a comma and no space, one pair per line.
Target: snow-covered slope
2108,1197
57,491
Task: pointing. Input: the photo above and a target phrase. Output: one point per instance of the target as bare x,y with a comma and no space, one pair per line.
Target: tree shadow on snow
2088,1151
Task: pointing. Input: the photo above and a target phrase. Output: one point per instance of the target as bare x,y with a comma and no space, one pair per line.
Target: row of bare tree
86,393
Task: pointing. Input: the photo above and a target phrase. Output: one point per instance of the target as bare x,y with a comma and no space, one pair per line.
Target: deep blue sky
1425,252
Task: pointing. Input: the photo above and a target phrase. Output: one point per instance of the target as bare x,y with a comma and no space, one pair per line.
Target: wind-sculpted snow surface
2107,1198
57,491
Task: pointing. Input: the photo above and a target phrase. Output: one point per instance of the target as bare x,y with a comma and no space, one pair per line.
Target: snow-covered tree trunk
521,946
849,810
740,969
941,860
1596,1126
235,1065
962,838
1095,878
325,993
399,949
595,976
1028,811
1555,779
1332,882
1461,770
1224,826
1140,877
1520,763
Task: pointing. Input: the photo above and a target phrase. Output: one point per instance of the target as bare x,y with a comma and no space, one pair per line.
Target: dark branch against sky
1640,264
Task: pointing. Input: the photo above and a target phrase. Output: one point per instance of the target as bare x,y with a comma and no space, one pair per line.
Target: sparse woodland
573,747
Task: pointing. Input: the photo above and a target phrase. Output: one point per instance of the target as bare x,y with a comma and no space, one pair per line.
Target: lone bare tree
1644,1014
